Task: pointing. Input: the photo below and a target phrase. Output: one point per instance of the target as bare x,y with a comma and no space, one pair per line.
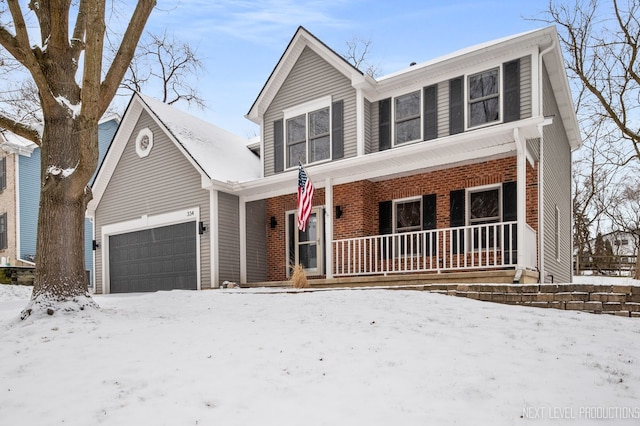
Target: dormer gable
303,39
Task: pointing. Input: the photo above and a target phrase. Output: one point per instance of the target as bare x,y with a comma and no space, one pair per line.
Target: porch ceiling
464,148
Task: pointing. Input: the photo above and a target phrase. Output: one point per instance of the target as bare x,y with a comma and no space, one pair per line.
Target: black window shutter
456,218
429,221
278,146
337,129
512,91
384,123
509,201
385,216
456,204
430,112
510,214
429,212
456,105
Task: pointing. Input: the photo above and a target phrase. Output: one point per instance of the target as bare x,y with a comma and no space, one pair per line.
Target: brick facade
359,202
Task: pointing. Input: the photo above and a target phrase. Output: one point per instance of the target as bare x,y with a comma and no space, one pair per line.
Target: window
484,206
305,248
483,97
407,117
407,215
308,133
407,218
3,173
3,231
484,209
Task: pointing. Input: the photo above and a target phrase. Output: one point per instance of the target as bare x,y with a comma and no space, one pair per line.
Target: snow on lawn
357,357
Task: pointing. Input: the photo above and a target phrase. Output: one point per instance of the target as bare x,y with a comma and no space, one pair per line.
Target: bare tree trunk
636,274
60,269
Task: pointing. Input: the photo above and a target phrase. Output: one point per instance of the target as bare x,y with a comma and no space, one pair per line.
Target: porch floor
400,280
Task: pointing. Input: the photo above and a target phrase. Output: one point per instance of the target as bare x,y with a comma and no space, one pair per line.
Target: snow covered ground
356,357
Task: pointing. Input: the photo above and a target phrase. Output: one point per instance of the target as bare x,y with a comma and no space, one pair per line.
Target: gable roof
301,39
221,157
544,40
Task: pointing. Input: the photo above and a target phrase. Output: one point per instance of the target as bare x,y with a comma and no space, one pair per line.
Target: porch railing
464,248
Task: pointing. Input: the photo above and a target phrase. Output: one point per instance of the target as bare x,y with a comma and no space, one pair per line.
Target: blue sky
240,42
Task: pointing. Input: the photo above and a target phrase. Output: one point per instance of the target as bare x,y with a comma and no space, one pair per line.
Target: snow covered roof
14,144
222,155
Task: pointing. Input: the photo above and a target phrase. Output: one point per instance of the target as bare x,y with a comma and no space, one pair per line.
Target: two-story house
459,165
462,163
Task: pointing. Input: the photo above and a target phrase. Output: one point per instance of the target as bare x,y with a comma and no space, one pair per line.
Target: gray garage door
161,258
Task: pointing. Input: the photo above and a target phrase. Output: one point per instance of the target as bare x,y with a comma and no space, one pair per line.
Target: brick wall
359,202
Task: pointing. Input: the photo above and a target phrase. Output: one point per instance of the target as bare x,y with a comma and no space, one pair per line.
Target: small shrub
298,278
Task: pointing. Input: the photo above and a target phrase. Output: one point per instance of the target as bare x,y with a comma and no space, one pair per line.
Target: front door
306,248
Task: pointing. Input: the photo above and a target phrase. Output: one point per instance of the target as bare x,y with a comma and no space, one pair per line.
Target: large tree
74,87
602,53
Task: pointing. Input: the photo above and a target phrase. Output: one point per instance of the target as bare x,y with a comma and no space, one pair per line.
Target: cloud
259,22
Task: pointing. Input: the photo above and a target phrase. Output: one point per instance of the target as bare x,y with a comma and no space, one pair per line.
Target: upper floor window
3,173
308,133
407,117
484,97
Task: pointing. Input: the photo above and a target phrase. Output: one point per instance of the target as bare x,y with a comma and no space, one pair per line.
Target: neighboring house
14,151
622,243
23,181
458,164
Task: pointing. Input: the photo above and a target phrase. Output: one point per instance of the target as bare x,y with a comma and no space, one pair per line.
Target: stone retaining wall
621,300
17,275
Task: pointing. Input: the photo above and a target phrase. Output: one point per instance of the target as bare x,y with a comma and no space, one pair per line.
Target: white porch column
242,216
328,227
522,195
214,232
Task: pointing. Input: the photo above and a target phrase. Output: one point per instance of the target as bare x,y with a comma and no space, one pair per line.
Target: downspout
360,142
541,230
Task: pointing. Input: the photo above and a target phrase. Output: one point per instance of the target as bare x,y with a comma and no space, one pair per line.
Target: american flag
305,198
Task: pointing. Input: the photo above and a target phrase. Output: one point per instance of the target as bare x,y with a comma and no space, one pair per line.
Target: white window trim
394,221
306,108
557,236
482,188
318,210
467,102
393,118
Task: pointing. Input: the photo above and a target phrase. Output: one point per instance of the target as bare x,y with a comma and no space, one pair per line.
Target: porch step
476,277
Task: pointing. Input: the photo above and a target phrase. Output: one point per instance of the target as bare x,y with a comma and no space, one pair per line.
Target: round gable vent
144,142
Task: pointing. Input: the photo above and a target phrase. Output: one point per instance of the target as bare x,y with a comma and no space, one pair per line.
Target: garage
162,258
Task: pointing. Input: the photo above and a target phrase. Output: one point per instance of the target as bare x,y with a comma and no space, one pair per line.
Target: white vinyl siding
557,191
